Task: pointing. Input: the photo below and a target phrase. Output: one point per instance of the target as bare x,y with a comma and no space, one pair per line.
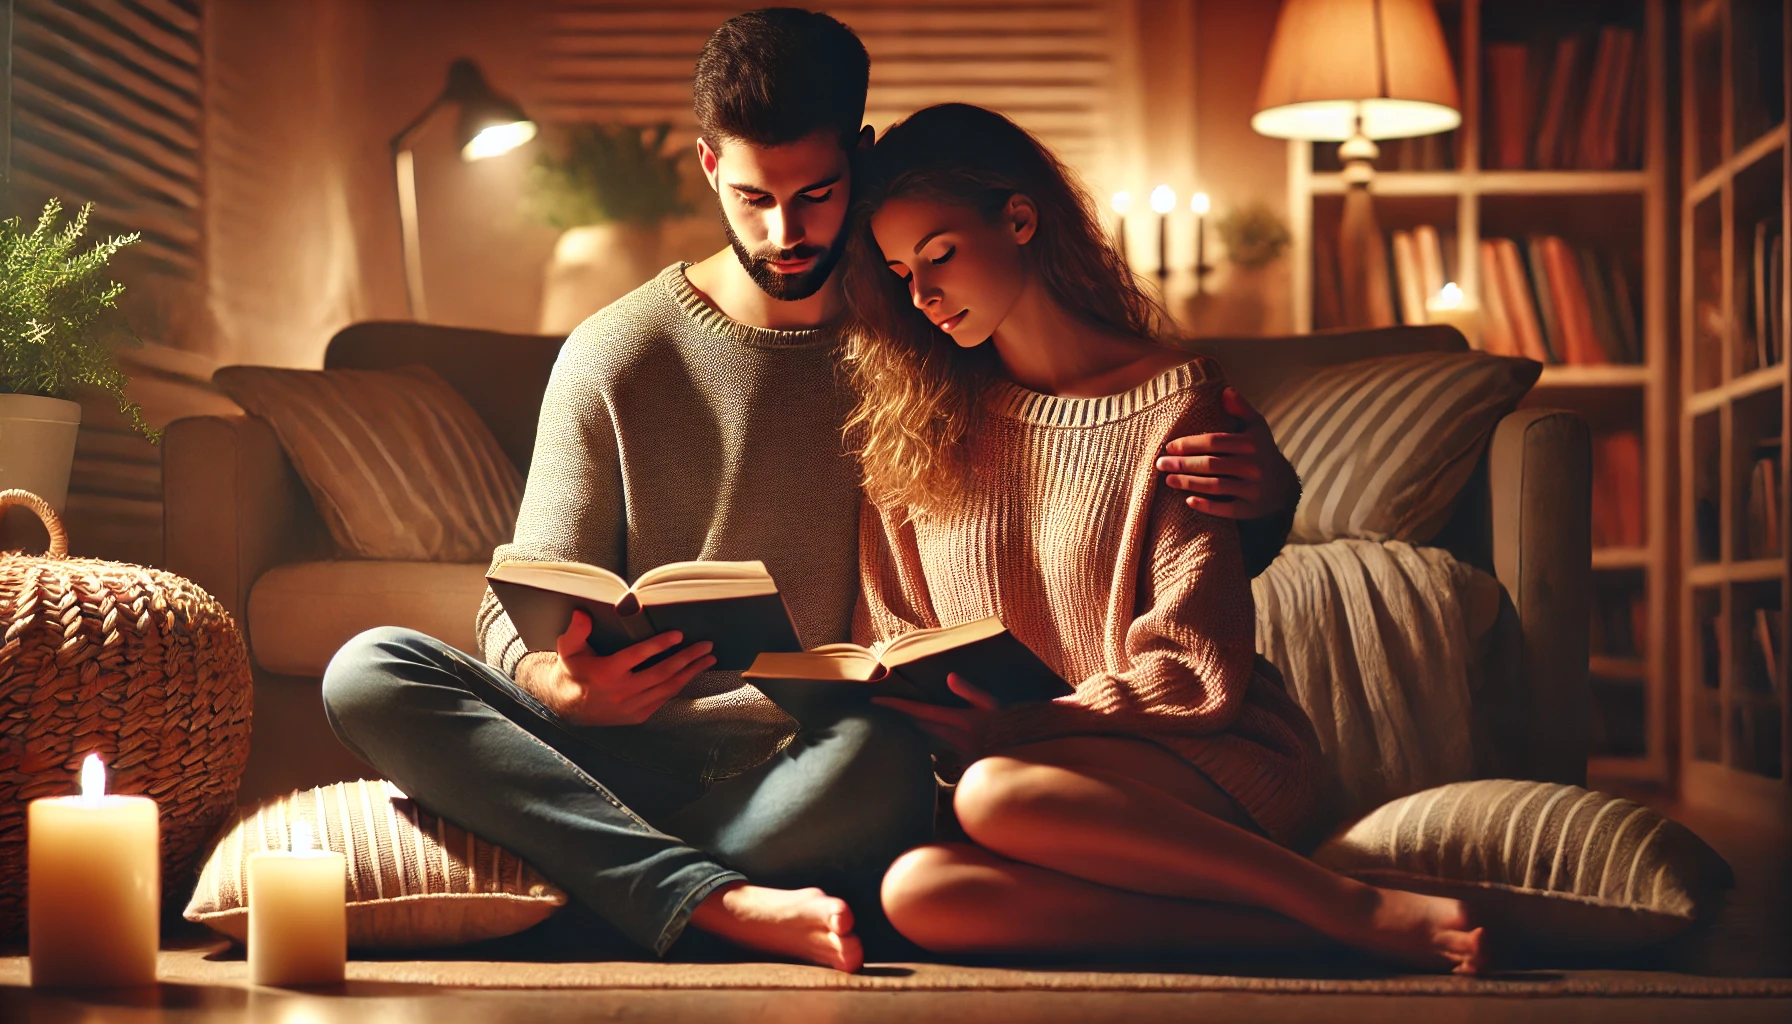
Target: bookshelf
1624,214
1734,400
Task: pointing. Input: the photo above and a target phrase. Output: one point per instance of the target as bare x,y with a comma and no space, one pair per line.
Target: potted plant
59,325
611,191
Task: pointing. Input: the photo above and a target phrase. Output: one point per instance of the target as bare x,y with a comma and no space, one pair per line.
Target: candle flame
301,837
1199,203
93,778
1122,202
1163,200
1449,297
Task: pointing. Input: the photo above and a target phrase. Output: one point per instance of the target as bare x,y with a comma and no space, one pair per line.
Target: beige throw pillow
1552,865
399,465
1384,446
414,881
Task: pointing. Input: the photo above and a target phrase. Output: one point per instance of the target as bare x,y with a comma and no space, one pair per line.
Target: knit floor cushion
414,881
1549,865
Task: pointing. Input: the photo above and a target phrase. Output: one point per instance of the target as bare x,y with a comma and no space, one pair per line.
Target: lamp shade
1332,60
489,123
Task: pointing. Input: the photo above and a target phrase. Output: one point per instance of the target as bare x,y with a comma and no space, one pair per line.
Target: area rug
222,966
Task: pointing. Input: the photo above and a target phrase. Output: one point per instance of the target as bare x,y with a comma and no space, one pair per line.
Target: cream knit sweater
1142,603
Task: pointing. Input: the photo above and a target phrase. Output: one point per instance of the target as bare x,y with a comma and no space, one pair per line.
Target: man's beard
786,287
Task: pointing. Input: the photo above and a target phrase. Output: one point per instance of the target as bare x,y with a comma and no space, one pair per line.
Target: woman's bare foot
1428,932
806,924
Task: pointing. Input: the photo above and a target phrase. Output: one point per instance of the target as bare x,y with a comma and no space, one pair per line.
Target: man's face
784,208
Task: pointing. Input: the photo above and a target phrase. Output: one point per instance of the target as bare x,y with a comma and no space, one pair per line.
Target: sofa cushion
1550,865
414,881
397,462
300,614
1384,446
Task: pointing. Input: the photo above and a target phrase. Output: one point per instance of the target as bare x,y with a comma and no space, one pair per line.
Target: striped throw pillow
1384,446
1552,865
399,465
414,881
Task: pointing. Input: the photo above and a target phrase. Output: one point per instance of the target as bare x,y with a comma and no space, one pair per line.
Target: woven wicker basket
135,664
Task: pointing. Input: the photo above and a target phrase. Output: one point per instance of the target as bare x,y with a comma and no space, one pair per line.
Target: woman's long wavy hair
918,390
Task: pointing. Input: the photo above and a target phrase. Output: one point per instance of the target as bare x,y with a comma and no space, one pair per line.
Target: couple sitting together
943,305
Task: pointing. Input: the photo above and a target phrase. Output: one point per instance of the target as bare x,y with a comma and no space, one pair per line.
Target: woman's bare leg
1129,815
960,898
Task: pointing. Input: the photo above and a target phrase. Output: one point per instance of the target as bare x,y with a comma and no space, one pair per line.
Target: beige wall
305,94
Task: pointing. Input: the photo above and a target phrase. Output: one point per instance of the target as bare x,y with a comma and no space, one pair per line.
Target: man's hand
1239,475
588,689
960,730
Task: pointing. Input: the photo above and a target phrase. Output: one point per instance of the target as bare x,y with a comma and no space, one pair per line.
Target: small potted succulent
59,327
616,195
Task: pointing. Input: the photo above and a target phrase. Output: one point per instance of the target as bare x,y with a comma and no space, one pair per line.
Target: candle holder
1163,200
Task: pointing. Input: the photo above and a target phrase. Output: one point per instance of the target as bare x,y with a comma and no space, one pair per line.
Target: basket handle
52,522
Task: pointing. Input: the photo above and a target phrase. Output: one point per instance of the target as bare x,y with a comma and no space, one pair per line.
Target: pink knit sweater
1141,602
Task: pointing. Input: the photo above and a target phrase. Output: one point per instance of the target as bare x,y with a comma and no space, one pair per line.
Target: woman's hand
959,729
1239,475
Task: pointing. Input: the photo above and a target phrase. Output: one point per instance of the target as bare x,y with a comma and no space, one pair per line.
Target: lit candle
1199,205
1162,202
1122,203
94,868
298,914
1450,306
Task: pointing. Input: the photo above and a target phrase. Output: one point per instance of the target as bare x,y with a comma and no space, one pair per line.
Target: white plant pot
37,445
594,266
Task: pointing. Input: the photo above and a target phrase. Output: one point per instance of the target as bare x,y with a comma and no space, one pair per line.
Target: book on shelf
1618,490
1768,645
913,666
1519,302
1537,274
1574,102
1409,285
1433,266
1766,286
1624,312
733,605
1761,508
1498,335
1511,102
1579,343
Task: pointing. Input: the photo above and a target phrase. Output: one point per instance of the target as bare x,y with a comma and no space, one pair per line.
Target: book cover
1574,318
1520,304
1497,335
1600,86
1407,279
1548,312
1611,125
1557,105
1430,252
734,605
1758,309
1624,312
1599,302
1511,103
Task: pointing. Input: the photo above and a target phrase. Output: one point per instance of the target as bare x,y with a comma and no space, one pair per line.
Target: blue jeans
639,847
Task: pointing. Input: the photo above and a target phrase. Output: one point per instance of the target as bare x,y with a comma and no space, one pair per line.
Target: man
700,417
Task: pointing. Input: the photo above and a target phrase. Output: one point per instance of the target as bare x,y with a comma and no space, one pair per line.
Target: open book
734,605
913,665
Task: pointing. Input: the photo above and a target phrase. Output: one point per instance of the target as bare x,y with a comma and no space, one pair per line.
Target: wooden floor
1751,938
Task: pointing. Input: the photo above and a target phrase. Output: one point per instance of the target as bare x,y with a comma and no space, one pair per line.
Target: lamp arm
404,168
402,139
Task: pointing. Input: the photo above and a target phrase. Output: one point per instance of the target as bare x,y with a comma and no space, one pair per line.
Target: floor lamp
1353,71
490,124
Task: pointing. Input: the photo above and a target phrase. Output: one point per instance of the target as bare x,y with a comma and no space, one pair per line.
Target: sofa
240,523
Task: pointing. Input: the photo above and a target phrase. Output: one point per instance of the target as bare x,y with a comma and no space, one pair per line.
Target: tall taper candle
95,870
298,916
1199,205
1122,203
1162,202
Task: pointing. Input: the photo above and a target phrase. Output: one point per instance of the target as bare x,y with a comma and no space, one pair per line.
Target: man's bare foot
806,924
1429,932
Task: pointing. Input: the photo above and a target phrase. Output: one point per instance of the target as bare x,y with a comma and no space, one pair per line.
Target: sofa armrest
233,507
1540,478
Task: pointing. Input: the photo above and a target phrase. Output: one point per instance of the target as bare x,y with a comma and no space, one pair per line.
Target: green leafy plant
59,319
1253,234
600,174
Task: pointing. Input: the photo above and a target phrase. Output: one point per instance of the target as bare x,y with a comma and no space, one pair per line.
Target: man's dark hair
776,75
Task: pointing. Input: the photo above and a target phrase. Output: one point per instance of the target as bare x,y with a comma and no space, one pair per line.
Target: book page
845,662
673,572
577,579
923,642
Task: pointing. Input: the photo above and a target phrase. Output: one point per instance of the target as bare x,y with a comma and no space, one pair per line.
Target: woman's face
963,270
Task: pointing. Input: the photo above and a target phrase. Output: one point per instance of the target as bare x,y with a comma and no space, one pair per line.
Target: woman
1012,401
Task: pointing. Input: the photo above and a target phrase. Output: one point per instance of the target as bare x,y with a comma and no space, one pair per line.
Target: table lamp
490,124
1353,71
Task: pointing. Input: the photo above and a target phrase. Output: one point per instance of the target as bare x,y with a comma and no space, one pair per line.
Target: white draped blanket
1376,641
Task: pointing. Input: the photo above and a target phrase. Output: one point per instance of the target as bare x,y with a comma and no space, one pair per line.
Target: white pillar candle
298,914
93,866
1450,306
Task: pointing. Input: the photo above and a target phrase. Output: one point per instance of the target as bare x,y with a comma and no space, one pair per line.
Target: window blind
106,108
1045,63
